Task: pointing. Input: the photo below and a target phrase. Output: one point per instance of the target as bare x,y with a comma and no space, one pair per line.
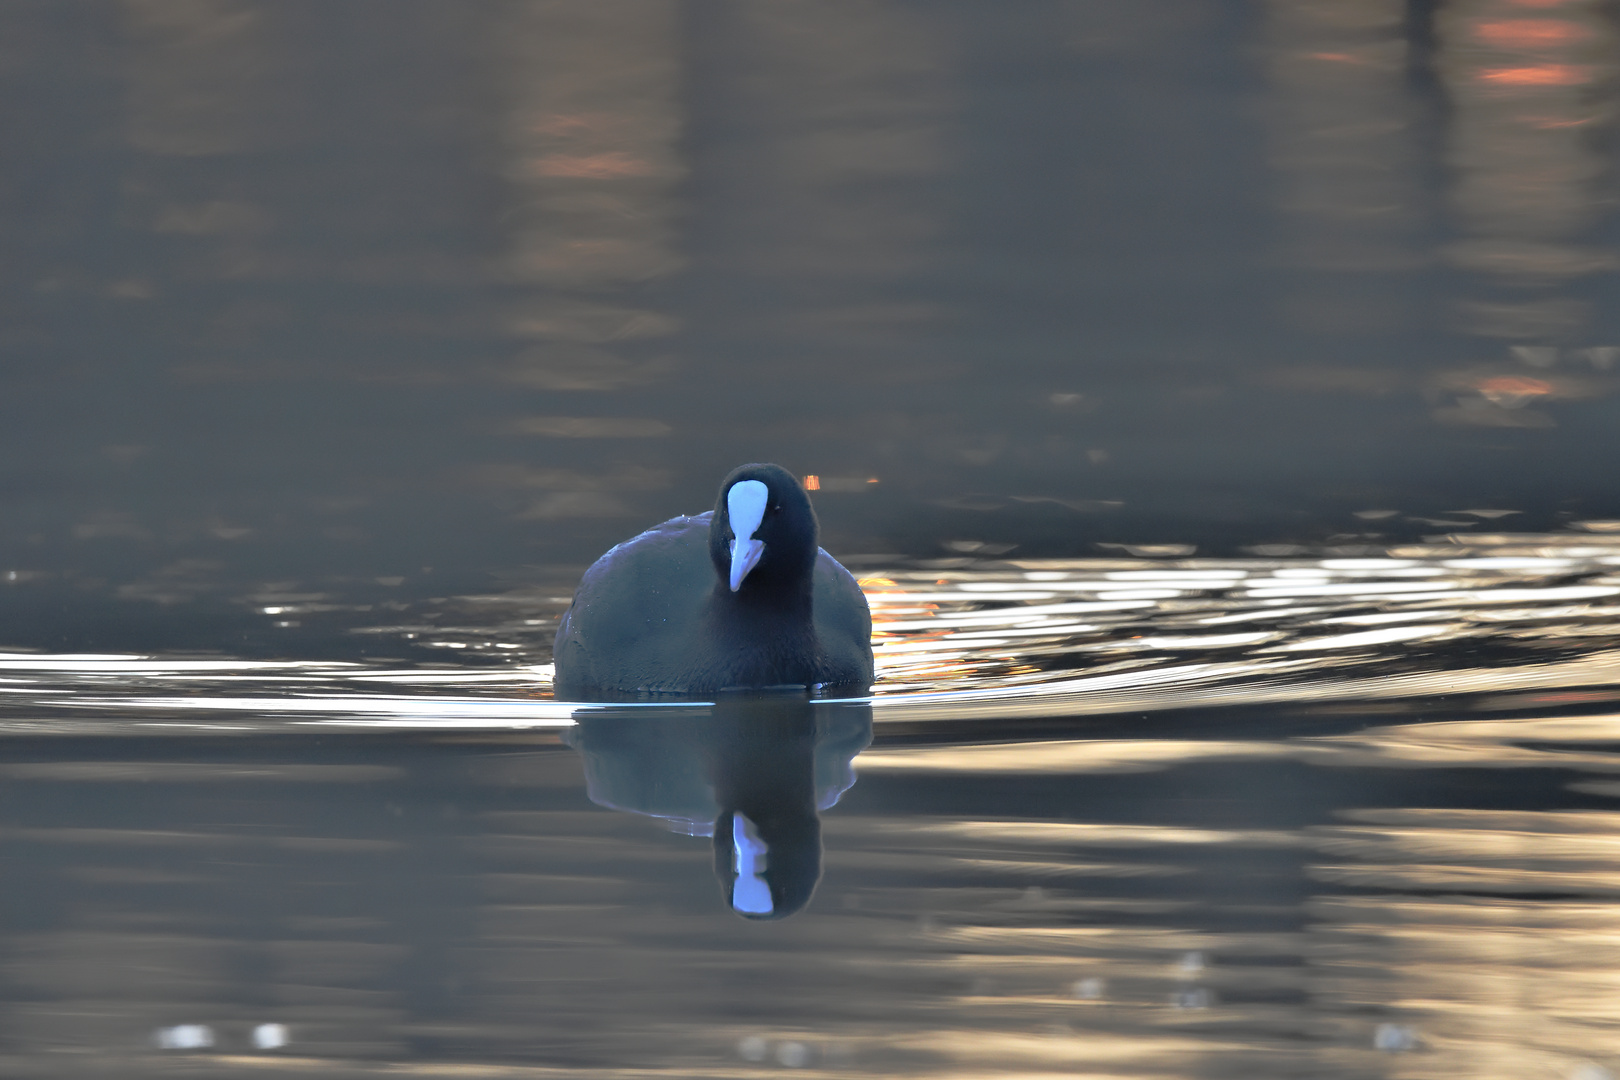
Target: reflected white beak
750,892
745,506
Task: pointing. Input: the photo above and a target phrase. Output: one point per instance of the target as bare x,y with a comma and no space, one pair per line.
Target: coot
737,597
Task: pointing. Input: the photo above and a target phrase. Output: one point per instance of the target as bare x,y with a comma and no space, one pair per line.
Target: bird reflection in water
753,770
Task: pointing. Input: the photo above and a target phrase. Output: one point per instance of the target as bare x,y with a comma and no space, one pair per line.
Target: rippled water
965,638
1327,814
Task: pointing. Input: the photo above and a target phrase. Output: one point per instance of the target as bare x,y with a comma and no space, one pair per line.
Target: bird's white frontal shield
745,506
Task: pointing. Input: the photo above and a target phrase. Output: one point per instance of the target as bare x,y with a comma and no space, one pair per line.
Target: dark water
1215,400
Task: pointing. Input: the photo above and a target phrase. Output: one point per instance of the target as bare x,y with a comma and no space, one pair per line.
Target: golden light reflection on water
1431,941
1068,756
1492,933
1426,890
1250,629
1392,941
980,639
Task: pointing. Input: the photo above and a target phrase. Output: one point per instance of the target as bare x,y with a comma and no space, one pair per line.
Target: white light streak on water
971,641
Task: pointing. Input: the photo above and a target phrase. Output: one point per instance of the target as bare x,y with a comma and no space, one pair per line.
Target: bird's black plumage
657,613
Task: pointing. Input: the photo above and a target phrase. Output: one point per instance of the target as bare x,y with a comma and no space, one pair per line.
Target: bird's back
843,624
635,608
641,620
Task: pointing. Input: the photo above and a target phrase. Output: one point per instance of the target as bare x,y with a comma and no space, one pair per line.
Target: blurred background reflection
414,296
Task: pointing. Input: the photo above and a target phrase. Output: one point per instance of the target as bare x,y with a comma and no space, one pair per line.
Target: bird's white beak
745,505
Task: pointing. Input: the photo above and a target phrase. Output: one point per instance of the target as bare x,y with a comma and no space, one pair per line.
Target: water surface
1283,815
1214,398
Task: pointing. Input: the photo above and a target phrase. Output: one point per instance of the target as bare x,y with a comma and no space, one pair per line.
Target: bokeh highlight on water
1214,399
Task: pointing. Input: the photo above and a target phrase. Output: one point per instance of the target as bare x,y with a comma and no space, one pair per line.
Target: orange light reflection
1529,33
1538,75
982,629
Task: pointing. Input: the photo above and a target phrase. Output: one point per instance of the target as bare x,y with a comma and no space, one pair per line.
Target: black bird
740,597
